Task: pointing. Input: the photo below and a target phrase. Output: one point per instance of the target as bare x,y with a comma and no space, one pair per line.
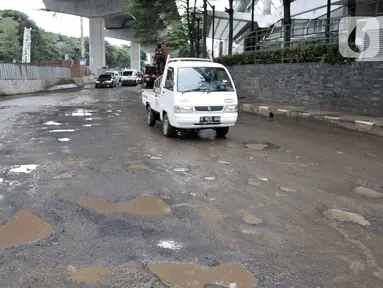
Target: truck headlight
231,108
183,109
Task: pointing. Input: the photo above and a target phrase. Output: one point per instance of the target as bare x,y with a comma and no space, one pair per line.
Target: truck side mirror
169,84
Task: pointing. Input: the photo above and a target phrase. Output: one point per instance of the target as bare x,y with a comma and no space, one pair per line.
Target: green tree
177,39
25,21
10,47
151,18
123,56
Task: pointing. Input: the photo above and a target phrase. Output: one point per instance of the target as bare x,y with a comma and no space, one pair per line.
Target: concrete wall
15,87
355,88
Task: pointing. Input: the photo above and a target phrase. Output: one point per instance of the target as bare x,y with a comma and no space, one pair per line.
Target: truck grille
208,108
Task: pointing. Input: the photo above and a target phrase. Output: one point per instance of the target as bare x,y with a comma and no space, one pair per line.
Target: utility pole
252,15
82,39
204,28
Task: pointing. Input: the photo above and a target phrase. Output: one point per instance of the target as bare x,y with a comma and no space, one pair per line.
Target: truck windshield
209,79
127,73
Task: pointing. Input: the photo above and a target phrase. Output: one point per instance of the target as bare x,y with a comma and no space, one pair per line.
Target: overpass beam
135,59
96,43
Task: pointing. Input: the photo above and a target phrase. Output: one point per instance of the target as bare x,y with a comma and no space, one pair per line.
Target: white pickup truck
193,94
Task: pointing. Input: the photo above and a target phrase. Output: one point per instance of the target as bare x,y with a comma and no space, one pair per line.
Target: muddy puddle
25,227
91,275
194,276
142,205
210,213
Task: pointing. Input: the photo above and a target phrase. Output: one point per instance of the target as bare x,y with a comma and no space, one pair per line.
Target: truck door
167,92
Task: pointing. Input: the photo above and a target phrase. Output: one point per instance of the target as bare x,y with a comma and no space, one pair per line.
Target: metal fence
302,32
25,72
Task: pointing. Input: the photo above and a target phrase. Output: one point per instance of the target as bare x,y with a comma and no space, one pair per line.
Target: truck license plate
210,119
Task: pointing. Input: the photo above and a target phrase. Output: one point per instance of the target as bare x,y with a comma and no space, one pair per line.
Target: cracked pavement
267,203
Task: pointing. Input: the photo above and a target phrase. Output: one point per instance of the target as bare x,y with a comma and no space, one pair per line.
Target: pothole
210,213
344,216
139,166
91,275
367,192
25,227
259,146
195,276
142,205
251,219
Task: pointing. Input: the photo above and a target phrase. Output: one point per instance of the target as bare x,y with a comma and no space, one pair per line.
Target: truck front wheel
222,131
167,129
151,117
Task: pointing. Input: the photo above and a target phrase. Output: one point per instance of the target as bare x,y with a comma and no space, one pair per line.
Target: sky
62,23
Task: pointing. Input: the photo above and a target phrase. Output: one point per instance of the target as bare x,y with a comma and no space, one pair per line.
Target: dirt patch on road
142,205
25,227
194,276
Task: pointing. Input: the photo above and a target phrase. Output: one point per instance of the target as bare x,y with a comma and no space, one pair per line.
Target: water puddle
139,166
209,178
142,205
25,227
344,216
61,130
87,125
52,123
210,213
24,168
170,244
91,275
194,276
79,113
180,169
64,139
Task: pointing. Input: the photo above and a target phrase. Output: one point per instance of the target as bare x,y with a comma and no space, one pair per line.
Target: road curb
354,125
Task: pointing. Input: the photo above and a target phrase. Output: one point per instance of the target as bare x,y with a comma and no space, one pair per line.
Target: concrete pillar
96,43
135,58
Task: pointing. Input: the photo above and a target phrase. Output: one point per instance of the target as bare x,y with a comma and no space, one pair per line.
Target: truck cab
193,94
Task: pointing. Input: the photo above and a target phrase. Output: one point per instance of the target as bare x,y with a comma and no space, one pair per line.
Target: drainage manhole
259,146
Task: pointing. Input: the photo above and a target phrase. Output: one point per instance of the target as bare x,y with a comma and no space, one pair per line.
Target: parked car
149,77
116,76
106,80
129,77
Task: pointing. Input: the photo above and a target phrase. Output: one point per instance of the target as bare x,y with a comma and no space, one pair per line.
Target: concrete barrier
15,87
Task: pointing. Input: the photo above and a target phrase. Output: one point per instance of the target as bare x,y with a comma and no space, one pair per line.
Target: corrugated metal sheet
25,72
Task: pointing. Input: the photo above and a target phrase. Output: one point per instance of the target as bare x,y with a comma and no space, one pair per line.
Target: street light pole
204,28
213,28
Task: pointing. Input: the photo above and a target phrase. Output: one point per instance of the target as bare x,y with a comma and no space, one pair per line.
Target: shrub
312,53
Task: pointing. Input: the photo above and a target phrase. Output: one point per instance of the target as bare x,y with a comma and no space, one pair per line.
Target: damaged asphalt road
90,196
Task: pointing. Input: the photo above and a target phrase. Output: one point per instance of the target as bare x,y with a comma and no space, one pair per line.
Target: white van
194,94
129,77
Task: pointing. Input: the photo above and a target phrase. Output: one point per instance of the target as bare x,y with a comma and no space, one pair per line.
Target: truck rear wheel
151,117
167,129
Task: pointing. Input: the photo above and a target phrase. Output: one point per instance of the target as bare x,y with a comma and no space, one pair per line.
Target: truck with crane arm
192,94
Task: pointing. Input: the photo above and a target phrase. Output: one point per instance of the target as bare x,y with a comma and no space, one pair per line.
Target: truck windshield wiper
196,90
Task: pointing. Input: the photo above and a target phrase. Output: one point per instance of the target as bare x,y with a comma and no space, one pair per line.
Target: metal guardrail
157,84
10,71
